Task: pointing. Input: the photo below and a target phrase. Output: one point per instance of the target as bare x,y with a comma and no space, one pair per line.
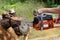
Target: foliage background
25,7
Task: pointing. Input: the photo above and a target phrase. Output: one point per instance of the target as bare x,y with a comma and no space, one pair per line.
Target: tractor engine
45,21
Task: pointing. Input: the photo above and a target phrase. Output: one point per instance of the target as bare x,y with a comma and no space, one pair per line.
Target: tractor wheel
51,25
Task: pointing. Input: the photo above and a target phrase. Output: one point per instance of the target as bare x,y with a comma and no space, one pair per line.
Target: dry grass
45,33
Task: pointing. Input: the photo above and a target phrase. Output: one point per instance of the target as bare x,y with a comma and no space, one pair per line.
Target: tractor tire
51,26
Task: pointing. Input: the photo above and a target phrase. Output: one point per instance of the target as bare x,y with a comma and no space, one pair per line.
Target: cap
11,11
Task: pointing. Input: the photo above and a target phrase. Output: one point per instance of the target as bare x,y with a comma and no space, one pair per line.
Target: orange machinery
43,21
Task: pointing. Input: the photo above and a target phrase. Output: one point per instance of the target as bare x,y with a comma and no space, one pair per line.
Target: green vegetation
25,7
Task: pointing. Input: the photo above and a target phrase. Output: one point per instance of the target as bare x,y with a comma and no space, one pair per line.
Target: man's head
12,12
35,12
5,15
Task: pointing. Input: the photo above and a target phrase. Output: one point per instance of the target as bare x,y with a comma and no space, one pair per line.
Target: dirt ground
49,34
52,37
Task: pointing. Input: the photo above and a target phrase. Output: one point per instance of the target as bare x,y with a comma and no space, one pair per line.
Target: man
5,20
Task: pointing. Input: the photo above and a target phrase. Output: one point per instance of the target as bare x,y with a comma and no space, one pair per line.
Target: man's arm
49,10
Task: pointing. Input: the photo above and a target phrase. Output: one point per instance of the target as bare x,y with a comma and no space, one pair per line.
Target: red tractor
43,21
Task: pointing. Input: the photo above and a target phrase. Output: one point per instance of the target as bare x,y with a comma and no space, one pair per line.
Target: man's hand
49,10
41,10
